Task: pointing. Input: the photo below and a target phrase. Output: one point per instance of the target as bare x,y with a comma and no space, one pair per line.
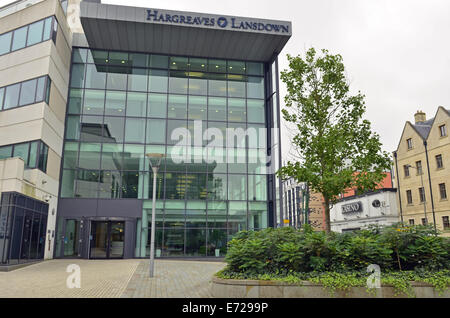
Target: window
419,167
31,152
406,169
424,221
439,162
411,221
422,194
409,143
443,131
35,33
409,197
446,222
25,93
443,191
28,35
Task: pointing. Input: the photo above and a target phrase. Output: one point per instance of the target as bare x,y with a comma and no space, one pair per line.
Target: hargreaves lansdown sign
230,23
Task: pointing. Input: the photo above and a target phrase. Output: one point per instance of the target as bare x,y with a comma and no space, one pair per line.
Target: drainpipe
429,180
398,186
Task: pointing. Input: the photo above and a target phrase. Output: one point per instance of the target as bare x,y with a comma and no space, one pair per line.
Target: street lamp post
423,189
155,163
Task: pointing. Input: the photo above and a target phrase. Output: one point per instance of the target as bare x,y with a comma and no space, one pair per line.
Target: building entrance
107,239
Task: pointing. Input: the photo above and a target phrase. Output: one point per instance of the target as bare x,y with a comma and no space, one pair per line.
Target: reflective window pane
41,91
178,83
159,61
32,160
21,151
255,68
113,129
257,188
177,106
257,215
156,131
237,111
134,158
236,86
70,155
198,86
237,216
73,127
158,81
136,104
256,111
217,187
217,66
11,96
236,67
217,109
118,58
95,77
117,78
19,38
94,102
237,187
217,85
91,129
199,65
35,33
27,92
2,94
157,105
75,101
47,28
79,55
5,152
112,156
198,107
255,87
5,43
137,80
135,130
77,78
89,156
138,60
179,63
115,103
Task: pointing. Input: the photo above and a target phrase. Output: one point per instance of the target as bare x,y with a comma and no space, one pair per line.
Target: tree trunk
326,203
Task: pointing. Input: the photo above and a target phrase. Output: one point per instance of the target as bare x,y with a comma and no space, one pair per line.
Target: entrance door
107,239
72,239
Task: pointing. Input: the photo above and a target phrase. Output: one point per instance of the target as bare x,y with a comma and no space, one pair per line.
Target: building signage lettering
222,22
352,207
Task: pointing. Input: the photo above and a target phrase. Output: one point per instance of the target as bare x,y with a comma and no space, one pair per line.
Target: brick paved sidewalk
173,279
111,278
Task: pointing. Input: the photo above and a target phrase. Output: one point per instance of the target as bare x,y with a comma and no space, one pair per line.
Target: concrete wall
386,214
229,288
37,121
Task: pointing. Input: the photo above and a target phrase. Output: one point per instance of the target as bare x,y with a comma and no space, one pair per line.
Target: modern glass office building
199,87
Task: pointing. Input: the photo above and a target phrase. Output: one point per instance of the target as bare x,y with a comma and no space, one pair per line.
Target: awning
169,32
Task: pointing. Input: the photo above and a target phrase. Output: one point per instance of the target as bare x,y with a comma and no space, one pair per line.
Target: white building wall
386,214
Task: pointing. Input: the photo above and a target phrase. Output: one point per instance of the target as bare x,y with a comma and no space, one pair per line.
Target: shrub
286,250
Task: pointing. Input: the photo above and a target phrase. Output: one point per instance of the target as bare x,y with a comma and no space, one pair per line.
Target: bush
285,251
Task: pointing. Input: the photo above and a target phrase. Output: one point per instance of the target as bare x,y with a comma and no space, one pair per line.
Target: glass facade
23,227
122,106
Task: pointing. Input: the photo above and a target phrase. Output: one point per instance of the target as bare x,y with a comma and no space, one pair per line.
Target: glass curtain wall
123,105
23,226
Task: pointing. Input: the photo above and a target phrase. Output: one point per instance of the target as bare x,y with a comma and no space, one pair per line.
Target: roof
125,28
424,128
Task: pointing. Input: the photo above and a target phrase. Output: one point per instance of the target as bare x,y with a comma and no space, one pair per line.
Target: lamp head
155,159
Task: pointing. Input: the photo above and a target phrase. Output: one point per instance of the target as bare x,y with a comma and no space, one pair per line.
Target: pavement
110,279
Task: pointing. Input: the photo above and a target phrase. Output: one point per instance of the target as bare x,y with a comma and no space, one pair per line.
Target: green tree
336,147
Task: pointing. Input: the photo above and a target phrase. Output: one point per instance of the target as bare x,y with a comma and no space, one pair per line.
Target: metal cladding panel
127,29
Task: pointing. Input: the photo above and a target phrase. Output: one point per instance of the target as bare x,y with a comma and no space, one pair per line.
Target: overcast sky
396,52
